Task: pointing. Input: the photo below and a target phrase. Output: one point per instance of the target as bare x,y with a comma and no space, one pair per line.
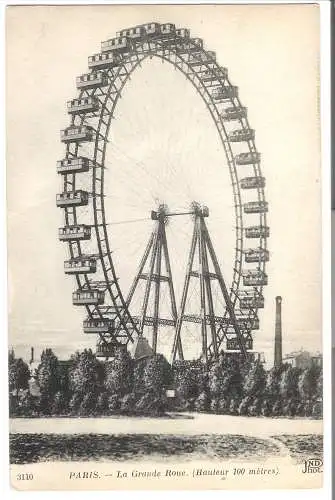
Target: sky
163,147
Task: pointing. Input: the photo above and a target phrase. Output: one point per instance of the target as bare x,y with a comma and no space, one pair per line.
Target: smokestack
32,356
278,334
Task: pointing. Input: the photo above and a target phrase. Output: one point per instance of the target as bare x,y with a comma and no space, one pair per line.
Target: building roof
141,348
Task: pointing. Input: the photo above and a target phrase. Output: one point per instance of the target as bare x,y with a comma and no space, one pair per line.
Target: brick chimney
278,356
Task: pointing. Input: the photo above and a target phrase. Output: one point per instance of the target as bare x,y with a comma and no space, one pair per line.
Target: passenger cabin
255,278
233,344
257,232
108,350
252,182
91,297
84,105
183,33
245,323
74,165
237,113
256,255
103,61
240,135
98,325
83,133
224,93
251,301
76,198
80,265
214,74
249,158
92,80
168,29
117,45
255,207
194,44
74,233
152,29
201,58
135,33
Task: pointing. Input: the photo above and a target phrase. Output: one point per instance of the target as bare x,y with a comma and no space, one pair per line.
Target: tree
113,403
119,374
255,407
88,404
75,402
18,374
59,404
186,377
202,402
48,374
26,403
157,375
127,403
308,382
266,407
272,387
288,386
277,408
319,387
244,406
86,374
225,378
255,380
102,403
233,407
216,380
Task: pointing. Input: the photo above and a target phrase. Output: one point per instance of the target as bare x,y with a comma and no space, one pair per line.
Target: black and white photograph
164,194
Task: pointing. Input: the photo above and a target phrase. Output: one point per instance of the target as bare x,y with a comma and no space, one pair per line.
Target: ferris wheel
82,171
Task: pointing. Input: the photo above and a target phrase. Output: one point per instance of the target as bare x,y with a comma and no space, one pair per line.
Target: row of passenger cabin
224,93
82,133
80,265
250,300
256,255
234,345
74,233
252,182
75,165
250,158
234,113
92,80
76,198
240,135
255,207
257,232
255,278
98,325
91,297
83,105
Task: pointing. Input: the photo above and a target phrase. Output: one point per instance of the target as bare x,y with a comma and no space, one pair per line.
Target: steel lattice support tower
202,246
155,259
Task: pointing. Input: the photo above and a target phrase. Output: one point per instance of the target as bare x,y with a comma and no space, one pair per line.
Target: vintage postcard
164,247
